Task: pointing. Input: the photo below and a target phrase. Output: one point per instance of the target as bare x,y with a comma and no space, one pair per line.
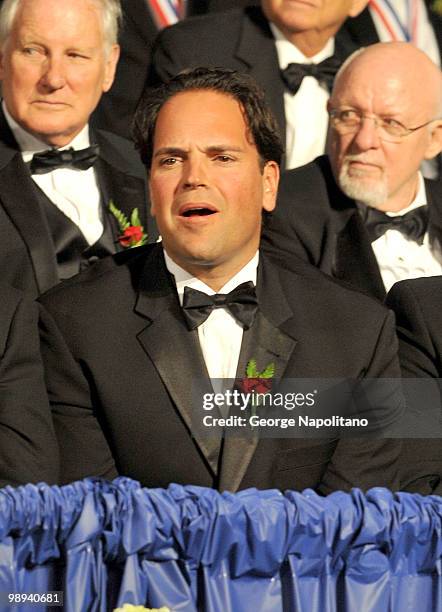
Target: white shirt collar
29,144
185,279
288,53
420,199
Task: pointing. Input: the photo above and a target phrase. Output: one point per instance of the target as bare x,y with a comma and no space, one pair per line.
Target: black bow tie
47,161
242,303
323,72
413,224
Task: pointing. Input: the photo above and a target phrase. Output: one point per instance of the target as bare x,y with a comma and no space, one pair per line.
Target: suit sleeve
28,447
373,461
417,354
83,446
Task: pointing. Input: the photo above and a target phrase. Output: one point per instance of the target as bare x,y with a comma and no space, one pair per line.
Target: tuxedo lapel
123,189
266,342
355,260
257,49
174,350
20,202
361,29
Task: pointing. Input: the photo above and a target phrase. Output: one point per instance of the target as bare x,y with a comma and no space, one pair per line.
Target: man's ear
357,7
434,146
110,67
152,205
270,178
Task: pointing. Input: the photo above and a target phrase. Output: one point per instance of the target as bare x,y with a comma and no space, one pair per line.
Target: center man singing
122,344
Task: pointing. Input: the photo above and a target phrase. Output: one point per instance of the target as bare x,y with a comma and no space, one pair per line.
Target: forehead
203,116
377,91
53,20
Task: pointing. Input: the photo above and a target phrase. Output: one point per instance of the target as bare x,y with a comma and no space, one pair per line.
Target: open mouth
197,211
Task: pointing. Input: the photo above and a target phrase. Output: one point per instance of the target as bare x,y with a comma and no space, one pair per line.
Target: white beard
355,186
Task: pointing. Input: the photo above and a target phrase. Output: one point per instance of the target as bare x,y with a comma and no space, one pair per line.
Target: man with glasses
364,213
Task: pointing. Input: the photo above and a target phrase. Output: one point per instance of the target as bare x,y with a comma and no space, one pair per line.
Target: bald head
395,92
394,67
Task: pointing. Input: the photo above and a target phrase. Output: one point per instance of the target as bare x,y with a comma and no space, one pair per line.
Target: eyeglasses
349,121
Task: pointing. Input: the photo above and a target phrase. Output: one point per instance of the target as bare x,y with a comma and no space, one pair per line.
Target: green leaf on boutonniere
123,221
132,232
251,371
268,372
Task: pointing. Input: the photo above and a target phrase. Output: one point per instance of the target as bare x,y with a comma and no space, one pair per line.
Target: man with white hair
58,177
364,213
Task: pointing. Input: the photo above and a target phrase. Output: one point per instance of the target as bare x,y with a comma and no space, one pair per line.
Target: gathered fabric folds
191,549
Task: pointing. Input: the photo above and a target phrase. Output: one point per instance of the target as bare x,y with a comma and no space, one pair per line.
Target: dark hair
259,118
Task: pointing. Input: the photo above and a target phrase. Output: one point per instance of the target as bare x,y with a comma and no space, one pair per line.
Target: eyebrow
221,148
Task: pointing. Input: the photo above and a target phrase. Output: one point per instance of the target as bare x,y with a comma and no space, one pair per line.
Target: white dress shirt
306,111
74,192
399,258
220,335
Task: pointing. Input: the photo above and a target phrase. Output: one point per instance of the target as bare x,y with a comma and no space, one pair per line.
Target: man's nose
195,171
367,136
54,74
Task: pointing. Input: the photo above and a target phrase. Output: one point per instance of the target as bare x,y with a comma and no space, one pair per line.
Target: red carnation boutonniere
132,232
258,382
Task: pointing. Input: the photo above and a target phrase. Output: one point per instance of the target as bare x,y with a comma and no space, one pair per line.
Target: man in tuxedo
292,49
116,108
150,324
57,177
416,304
396,20
28,447
364,213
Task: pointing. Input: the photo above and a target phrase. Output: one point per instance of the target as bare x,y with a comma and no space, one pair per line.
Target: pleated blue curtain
189,548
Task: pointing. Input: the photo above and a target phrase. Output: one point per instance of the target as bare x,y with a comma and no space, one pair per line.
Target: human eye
392,126
168,161
31,51
77,55
348,115
224,158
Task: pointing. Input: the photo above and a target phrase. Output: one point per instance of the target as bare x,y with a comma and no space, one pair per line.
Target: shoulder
111,280
119,152
13,306
224,25
319,294
311,179
425,293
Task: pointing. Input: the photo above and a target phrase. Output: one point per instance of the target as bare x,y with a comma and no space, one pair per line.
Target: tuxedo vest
72,251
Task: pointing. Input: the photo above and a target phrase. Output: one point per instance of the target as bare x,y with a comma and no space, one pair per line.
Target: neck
309,42
214,277
403,197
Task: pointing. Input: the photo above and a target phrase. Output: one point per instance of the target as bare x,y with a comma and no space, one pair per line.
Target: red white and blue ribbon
166,12
392,22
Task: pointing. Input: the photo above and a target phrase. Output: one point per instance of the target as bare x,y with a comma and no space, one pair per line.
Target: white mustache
361,158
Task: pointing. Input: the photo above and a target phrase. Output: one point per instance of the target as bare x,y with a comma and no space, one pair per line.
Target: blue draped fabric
189,548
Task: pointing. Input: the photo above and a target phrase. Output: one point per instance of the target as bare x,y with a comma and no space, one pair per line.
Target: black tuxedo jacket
315,221
363,31
116,108
28,447
27,252
120,368
239,39
417,306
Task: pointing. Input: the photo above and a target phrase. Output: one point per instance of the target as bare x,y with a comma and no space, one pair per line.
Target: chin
370,192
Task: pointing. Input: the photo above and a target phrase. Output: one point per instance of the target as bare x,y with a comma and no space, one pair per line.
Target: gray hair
111,16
